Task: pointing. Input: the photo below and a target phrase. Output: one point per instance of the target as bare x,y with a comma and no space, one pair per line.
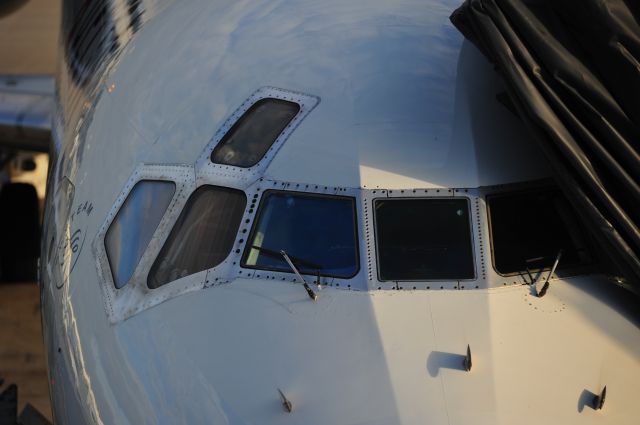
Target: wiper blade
278,254
527,263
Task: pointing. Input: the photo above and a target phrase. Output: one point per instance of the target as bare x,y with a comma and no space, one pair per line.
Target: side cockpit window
246,143
424,239
202,236
134,225
318,233
529,229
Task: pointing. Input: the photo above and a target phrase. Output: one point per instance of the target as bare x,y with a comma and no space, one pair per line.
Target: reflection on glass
424,239
251,137
529,228
202,236
134,225
318,232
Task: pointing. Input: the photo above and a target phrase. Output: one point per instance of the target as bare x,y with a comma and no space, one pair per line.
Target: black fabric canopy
572,71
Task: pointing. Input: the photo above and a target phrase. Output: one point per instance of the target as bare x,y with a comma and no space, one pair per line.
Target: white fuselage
397,105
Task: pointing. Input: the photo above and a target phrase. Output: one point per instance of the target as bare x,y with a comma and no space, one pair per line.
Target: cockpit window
528,229
134,225
251,137
318,233
202,236
424,239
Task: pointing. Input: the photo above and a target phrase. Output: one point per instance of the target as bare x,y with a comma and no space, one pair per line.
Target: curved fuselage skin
403,104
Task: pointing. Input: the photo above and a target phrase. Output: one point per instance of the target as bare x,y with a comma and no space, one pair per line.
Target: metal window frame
135,296
254,194
484,278
206,170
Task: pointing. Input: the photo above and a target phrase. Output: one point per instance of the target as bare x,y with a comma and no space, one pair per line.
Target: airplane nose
245,350
260,351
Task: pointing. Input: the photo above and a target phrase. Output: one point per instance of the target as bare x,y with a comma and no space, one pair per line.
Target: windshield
134,225
424,239
202,236
318,233
254,133
528,229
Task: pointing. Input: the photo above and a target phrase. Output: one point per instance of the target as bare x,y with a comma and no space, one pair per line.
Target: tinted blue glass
134,225
318,233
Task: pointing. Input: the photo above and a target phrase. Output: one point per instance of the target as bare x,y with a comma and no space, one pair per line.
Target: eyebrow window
134,225
528,229
318,233
246,143
203,235
424,239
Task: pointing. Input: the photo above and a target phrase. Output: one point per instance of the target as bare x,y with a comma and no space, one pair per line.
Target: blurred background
28,46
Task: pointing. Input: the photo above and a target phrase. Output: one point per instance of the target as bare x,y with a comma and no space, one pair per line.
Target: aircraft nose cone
258,351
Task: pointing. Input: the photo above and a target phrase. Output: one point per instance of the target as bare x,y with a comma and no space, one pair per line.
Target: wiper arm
310,292
543,291
278,254
288,259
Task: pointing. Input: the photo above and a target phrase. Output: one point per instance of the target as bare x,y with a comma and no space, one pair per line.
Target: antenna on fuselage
310,292
288,406
598,401
467,363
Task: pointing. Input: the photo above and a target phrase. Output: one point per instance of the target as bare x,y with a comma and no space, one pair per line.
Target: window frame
530,190
229,174
135,297
256,220
245,118
471,239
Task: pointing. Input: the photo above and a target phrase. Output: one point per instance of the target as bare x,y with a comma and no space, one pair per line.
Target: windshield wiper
527,262
278,254
545,286
310,292
289,260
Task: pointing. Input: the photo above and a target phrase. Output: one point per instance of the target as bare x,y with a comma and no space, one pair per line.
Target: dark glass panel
202,236
528,229
250,138
424,239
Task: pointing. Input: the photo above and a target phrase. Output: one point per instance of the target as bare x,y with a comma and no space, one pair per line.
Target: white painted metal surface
405,105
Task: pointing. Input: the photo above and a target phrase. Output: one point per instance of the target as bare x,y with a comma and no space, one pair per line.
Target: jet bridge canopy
571,70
